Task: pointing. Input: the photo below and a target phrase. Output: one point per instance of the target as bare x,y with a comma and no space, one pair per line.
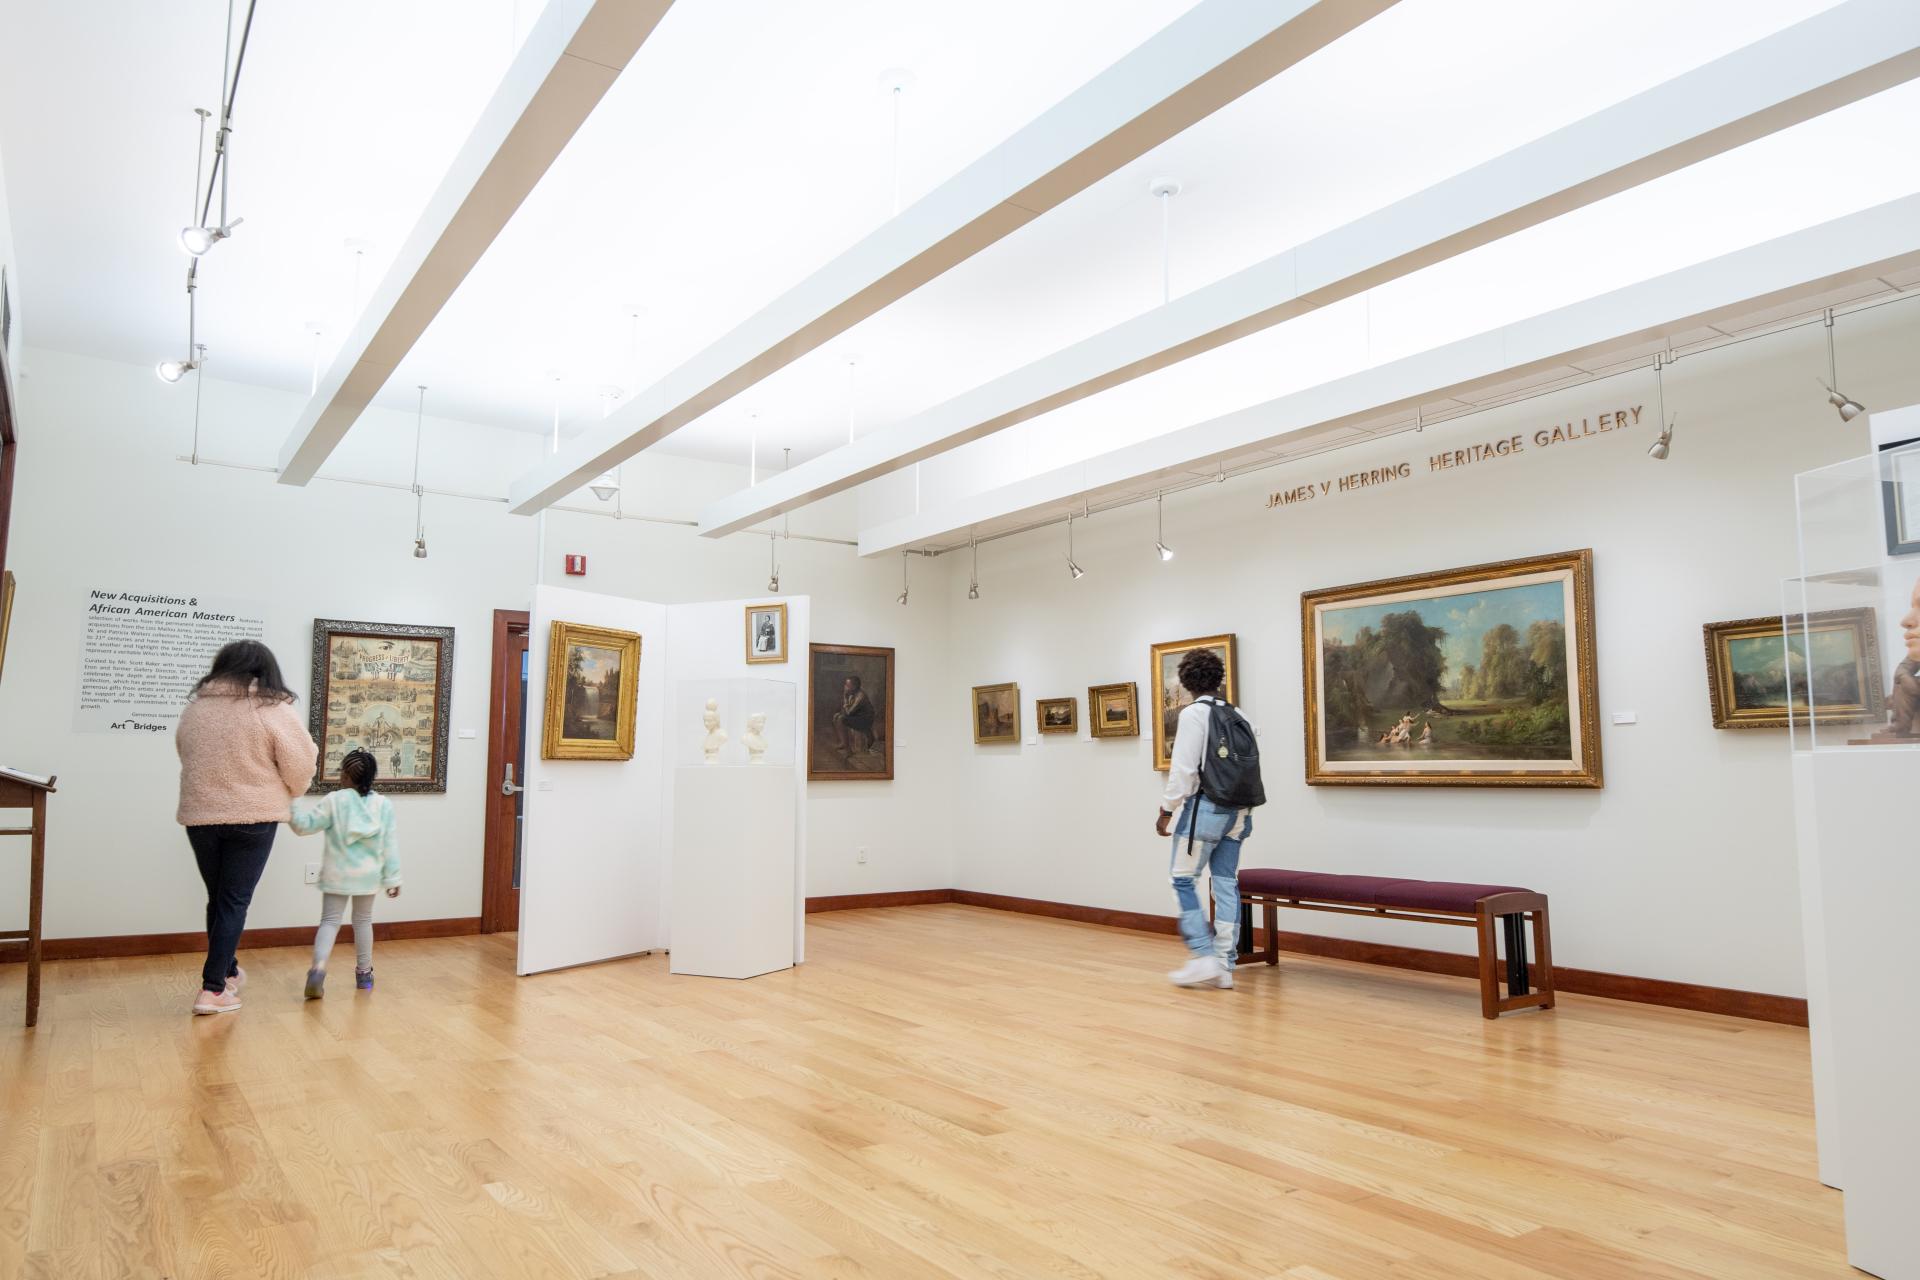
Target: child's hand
393,891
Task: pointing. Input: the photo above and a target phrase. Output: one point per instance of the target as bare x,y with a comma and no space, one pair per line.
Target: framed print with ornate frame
1753,683
386,688
593,689
995,709
1169,696
1056,715
1113,710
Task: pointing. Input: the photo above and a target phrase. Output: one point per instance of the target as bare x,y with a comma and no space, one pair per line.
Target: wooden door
506,773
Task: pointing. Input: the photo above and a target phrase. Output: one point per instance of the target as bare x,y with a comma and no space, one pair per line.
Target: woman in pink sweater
244,755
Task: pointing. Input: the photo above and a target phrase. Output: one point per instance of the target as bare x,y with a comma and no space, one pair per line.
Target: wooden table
22,793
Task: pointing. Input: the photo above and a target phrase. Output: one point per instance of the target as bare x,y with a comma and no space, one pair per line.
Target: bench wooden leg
1543,957
1489,966
1272,914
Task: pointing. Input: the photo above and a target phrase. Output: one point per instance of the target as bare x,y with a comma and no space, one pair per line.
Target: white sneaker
1201,971
1225,980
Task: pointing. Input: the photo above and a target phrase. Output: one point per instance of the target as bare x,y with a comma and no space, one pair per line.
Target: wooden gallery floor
942,1091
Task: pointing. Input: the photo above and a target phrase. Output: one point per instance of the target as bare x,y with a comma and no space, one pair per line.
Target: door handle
506,786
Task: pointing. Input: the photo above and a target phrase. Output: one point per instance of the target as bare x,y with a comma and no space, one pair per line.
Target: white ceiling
749,142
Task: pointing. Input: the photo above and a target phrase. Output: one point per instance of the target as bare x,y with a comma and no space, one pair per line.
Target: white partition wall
594,854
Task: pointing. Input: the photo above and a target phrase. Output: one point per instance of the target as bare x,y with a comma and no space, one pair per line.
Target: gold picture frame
1113,710
1056,715
1748,681
766,623
1395,698
995,710
581,661
1168,694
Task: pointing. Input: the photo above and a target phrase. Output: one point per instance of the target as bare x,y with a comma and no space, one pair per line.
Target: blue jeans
1215,849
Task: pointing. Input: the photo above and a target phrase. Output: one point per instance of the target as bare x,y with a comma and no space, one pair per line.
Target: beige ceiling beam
1210,56
571,57
1850,52
1815,261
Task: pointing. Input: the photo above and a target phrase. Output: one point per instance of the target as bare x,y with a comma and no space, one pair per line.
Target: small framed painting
1900,492
1057,715
593,686
386,688
1170,696
1764,672
766,633
1113,710
996,713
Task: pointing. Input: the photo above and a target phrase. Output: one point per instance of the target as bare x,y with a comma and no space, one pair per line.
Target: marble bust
755,739
716,736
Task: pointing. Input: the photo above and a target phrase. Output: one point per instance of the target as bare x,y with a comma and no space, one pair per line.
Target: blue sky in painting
1465,617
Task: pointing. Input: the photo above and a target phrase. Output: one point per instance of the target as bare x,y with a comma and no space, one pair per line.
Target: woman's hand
393,891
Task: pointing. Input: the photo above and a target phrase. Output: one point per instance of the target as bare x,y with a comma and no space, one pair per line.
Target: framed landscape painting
996,713
1169,695
1483,676
1113,710
1761,671
1057,715
849,713
593,687
766,633
386,688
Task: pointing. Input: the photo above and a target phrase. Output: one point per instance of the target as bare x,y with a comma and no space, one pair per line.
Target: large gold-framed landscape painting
1482,676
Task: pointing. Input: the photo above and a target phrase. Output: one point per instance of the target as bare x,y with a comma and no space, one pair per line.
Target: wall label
1562,433
141,652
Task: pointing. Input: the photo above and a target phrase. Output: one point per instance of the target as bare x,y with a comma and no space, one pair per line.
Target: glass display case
737,704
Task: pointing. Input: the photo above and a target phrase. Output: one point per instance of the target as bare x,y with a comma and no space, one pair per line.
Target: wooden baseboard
162,944
1790,1010
864,901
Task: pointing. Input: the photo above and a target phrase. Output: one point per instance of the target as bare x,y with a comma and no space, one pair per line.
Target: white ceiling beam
571,57
1210,56
1850,52
1828,256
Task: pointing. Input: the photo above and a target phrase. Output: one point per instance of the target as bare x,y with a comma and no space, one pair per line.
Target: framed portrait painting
996,713
1762,673
1170,696
386,688
1482,676
1113,710
1057,715
766,633
849,713
593,690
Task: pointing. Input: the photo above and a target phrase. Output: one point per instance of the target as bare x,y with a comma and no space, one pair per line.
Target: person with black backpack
1214,785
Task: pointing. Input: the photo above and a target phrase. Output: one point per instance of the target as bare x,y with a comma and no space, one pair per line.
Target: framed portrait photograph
996,713
1482,676
1169,696
386,688
1762,673
1057,715
1900,493
849,713
593,689
766,633
1113,710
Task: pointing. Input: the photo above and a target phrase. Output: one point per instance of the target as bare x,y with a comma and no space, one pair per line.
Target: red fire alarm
577,566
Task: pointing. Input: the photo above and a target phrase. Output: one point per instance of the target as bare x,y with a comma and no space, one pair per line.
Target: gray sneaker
316,980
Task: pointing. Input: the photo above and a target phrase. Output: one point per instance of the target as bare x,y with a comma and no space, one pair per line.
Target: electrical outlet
313,873
860,855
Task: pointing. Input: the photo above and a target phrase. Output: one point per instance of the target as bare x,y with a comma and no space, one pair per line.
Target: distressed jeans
1215,848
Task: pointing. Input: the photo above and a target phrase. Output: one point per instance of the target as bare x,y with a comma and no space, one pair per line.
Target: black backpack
1230,761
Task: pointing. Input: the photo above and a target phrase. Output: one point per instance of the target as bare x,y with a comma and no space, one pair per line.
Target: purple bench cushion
1372,891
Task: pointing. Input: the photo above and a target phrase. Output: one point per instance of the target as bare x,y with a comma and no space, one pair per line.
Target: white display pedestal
733,870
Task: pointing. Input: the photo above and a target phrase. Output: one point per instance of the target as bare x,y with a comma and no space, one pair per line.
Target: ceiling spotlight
902,597
973,579
605,486
1658,449
1847,407
174,370
1073,569
197,240
420,546
773,569
1160,527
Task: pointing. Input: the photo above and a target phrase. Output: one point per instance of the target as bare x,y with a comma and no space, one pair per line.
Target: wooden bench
1476,906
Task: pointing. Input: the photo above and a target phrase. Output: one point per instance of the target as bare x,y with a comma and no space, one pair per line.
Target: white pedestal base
733,870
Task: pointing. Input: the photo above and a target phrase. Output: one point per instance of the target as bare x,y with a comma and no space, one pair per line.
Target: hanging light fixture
1160,522
174,370
1659,448
1073,569
773,568
973,579
200,236
1845,405
605,486
419,494
902,597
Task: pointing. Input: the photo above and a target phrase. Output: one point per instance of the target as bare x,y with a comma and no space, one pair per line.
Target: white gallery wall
1682,868
102,503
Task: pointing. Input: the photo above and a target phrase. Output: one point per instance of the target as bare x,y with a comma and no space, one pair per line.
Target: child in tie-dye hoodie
361,856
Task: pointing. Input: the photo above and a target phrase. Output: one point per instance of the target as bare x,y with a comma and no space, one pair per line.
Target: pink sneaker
238,981
216,1001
